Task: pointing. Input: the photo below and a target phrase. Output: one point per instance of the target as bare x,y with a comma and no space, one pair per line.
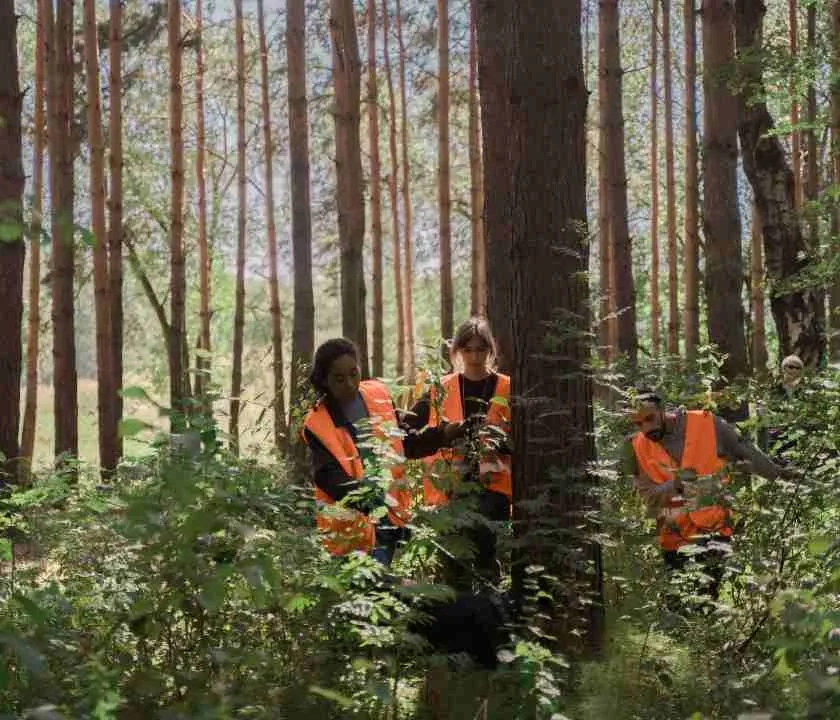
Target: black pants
495,507
709,560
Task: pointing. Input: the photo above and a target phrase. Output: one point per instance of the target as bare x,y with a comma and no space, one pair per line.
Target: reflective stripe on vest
678,526
435,487
344,529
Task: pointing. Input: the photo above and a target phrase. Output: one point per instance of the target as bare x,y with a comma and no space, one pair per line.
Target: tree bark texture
348,163
794,308
278,402
621,255
447,302
478,277
655,306
721,220
60,129
12,247
303,323
377,353
670,185
544,252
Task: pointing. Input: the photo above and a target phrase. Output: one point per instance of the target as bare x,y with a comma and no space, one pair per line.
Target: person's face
650,420
343,378
474,355
791,373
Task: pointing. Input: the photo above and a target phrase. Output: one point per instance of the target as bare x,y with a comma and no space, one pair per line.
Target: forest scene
413,360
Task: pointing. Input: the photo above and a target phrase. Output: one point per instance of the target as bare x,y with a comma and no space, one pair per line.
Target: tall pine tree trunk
375,193
242,197
721,221
478,280
691,252
408,242
607,322
203,364
795,312
348,162
303,324
621,257
115,208
12,247
274,286
759,338
177,280
540,82
60,129
33,330
796,135
670,185
655,306
106,392
393,194
812,175
835,166
444,199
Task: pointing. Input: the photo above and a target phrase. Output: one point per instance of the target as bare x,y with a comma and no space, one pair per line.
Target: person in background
476,399
352,433
770,430
679,464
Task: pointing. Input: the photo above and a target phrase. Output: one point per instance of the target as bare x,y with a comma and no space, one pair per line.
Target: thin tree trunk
60,130
351,202
655,306
203,363
759,338
541,83
106,392
303,330
392,190
115,208
408,242
835,165
242,191
607,323
375,194
478,284
276,318
444,200
621,257
670,185
177,325
691,275
12,247
721,221
812,178
795,312
796,150
33,331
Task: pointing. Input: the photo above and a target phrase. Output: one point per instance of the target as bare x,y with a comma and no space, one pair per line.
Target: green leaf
129,427
5,549
87,237
134,392
11,232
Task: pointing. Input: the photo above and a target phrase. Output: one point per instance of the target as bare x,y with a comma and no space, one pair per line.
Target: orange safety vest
343,529
435,491
676,525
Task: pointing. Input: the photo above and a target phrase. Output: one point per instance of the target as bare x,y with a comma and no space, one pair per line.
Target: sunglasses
792,367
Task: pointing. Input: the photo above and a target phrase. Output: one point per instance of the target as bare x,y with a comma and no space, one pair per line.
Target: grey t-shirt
730,447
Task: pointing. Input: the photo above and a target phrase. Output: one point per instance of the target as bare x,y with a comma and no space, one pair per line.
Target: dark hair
648,395
475,327
326,354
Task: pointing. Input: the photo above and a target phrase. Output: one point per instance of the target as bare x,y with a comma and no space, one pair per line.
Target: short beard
655,435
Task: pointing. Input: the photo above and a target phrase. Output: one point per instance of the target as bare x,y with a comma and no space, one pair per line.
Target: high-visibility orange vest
343,529
676,525
435,490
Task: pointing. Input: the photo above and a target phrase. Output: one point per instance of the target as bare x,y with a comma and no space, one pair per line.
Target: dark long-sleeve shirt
331,478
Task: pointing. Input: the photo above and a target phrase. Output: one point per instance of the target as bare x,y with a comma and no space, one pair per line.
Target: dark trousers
460,573
709,559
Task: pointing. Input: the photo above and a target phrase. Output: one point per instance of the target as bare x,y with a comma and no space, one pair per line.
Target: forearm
734,448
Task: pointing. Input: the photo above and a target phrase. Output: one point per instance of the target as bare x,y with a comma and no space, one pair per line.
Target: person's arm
656,496
734,448
327,473
420,439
